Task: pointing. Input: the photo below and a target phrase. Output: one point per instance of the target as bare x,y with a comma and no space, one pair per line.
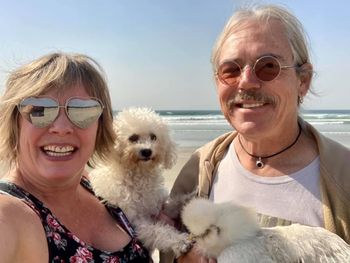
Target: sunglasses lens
229,72
83,112
267,68
40,112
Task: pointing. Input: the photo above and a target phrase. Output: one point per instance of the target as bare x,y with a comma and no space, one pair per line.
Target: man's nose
248,79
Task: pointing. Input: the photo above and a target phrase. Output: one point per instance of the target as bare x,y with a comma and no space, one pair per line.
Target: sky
156,53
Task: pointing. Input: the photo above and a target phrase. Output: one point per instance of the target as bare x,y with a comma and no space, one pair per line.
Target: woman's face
60,151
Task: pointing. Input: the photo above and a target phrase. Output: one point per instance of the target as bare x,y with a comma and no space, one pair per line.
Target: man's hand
162,217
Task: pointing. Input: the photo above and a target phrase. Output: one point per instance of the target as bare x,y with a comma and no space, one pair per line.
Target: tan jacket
334,169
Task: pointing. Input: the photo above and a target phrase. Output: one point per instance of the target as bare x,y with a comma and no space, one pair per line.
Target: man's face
271,107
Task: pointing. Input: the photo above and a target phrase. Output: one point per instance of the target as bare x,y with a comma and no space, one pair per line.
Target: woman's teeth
54,150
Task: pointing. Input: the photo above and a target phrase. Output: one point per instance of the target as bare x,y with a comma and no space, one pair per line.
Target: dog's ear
170,155
118,149
118,142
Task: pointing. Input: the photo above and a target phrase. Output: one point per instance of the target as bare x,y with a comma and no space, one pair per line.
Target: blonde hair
55,71
293,28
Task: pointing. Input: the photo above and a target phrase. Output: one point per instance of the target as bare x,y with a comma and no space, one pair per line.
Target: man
274,161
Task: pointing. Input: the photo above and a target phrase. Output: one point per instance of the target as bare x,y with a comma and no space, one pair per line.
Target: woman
57,117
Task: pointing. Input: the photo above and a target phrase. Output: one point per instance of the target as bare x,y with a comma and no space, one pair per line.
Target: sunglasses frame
65,106
281,67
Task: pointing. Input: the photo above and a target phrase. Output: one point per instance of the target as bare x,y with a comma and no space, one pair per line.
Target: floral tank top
65,247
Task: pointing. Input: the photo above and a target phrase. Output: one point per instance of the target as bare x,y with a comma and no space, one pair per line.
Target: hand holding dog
193,256
162,217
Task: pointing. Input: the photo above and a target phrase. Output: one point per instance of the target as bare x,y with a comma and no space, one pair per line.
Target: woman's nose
62,124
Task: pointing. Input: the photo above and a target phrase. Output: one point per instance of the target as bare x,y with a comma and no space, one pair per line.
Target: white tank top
295,197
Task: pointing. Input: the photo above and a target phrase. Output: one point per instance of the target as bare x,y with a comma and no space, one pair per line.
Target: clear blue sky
156,52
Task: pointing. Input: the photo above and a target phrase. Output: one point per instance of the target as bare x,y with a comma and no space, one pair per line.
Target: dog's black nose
146,153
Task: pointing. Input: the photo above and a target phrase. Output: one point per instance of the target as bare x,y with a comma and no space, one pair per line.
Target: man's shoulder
219,142
334,162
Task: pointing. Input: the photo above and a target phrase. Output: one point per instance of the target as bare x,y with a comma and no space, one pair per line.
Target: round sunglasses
265,68
43,111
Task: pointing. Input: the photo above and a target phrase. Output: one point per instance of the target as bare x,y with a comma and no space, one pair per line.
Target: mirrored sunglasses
266,68
43,111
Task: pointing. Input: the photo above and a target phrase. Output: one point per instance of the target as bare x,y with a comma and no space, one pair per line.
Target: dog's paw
183,246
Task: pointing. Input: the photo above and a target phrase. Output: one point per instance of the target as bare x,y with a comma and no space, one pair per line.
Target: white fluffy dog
231,233
133,180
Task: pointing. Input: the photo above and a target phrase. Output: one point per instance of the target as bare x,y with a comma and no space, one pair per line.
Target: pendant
259,163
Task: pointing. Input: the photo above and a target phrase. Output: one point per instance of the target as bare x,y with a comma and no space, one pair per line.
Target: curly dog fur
134,182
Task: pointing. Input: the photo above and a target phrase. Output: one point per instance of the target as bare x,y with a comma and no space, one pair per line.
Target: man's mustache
250,95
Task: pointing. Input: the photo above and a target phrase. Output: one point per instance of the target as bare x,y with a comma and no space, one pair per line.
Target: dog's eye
134,138
153,137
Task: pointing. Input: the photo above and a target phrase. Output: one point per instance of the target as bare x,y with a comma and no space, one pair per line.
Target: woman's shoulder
18,225
12,206
17,216
10,234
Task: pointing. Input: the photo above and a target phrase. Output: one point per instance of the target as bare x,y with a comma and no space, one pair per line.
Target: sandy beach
183,154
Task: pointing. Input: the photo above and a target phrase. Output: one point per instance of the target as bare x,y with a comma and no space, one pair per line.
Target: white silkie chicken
231,233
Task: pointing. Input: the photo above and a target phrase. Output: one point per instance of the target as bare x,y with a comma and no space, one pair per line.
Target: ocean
195,128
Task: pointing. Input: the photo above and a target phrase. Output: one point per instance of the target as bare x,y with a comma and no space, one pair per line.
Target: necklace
259,159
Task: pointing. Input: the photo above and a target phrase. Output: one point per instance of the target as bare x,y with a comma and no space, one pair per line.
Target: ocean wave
222,121
194,118
322,116
328,122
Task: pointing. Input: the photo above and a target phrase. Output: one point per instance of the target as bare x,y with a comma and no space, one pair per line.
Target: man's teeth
54,150
252,105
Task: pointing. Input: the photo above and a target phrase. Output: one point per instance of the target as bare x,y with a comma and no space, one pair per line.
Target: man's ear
305,76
